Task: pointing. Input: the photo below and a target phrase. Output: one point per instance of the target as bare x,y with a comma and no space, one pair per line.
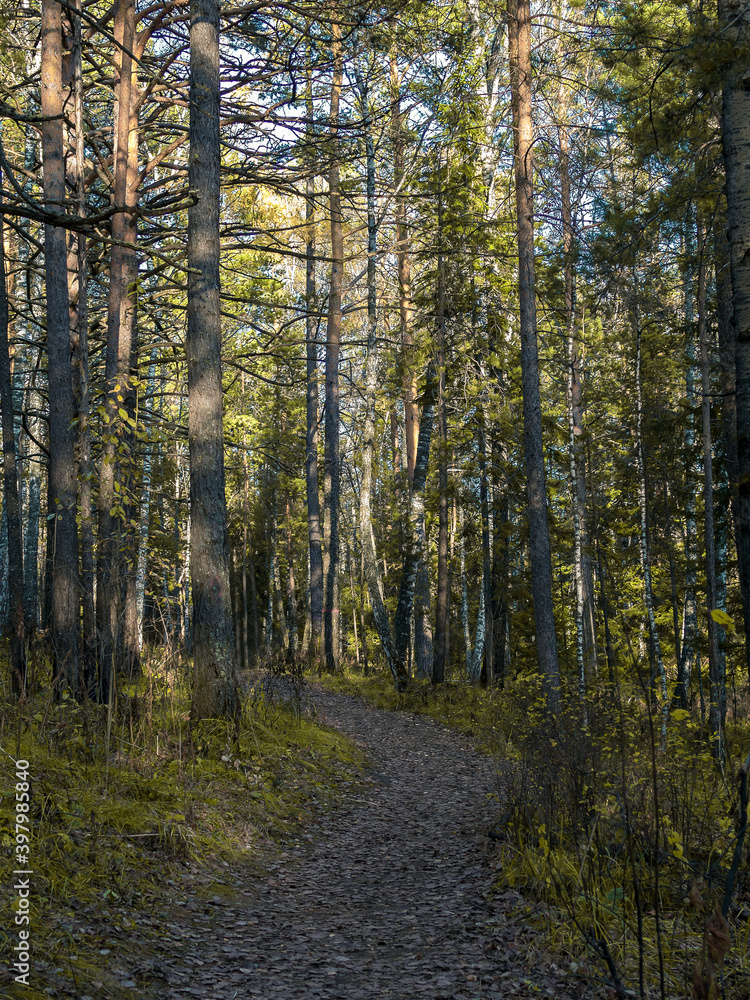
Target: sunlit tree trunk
215,684
332,473
473,652
120,349
315,540
487,645
370,564
500,583
519,51
440,655
734,17
584,615
411,410
414,542
62,468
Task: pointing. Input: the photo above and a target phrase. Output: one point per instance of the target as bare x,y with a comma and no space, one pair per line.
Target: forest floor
390,899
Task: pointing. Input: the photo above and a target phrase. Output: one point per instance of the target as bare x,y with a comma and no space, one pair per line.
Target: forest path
389,902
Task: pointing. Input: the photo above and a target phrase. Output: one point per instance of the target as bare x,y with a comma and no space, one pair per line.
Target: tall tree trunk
215,684
440,657
714,674
584,615
27,329
414,542
473,653
333,341
734,18
727,347
145,510
411,410
291,589
678,696
500,583
487,650
11,505
648,593
423,643
315,540
365,656
120,348
519,50
62,469
81,354
31,556
244,661
688,640
370,564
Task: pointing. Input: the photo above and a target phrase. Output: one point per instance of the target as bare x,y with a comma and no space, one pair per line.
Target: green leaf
679,714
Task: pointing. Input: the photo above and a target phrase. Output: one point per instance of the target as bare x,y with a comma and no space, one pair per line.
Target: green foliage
594,822
125,813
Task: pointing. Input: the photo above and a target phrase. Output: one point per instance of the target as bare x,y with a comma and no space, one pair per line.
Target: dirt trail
389,903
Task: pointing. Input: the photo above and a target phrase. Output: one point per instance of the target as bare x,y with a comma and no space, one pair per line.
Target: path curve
390,901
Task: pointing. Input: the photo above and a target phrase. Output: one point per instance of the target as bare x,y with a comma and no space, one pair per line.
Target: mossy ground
138,809
605,832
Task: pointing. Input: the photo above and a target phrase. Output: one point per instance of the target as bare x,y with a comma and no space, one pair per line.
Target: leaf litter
391,898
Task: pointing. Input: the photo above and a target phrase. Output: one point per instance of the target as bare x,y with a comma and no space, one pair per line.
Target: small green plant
119,821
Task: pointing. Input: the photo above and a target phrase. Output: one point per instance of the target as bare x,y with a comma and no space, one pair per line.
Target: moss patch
136,808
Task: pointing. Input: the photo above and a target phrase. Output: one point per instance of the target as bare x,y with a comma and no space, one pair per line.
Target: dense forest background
479,341
412,337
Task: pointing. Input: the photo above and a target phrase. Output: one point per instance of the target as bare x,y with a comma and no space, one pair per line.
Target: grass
624,847
131,809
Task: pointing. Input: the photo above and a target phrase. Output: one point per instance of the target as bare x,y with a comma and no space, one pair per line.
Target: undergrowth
626,846
130,806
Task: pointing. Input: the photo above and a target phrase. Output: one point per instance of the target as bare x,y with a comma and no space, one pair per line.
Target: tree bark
415,516
332,473
81,355
734,18
440,657
648,594
370,564
215,684
519,49
291,589
120,350
315,540
727,347
62,468
11,504
584,585
486,648
145,511
411,410
714,674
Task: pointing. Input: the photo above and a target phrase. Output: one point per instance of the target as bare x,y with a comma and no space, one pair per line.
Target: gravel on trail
390,901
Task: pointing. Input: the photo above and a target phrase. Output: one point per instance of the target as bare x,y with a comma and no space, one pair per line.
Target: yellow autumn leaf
722,618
